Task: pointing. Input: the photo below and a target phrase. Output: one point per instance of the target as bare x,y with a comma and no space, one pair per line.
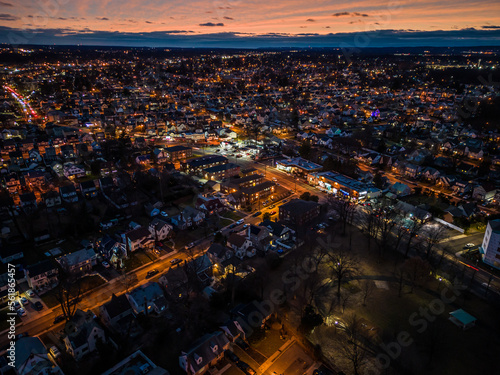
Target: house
28,201
72,171
241,246
204,353
175,282
78,262
209,206
299,212
10,254
219,253
147,299
151,210
114,312
81,334
187,218
51,198
485,192
259,236
88,189
136,364
139,238
42,276
233,330
400,189
160,229
68,193
252,315
201,268
32,358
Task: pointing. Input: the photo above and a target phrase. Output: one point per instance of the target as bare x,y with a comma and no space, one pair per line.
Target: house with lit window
206,352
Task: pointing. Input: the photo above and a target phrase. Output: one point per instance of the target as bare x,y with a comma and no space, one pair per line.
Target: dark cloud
183,38
491,27
228,18
303,27
327,27
8,17
148,22
62,18
310,20
4,4
360,14
211,24
340,14
224,8
102,18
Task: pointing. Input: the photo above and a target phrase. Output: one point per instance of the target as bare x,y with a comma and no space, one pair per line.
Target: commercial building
298,166
339,184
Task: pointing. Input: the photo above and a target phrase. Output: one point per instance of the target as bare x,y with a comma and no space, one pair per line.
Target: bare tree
353,347
433,235
342,265
367,289
385,223
418,271
345,210
68,295
414,228
369,227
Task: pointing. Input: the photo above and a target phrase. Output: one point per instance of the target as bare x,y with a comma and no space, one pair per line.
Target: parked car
175,261
17,305
257,214
22,312
164,214
30,293
273,212
469,245
233,357
189,246
105,264
157,252
242,344
246,226
245,367
24,300
152,273
239,222
54,352
38,306
59,319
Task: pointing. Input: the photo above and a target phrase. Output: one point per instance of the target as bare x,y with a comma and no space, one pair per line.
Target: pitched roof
117,305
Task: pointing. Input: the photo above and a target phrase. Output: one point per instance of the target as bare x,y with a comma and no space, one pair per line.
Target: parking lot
29,308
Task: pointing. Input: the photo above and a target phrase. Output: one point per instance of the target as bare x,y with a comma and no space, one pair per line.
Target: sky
251,23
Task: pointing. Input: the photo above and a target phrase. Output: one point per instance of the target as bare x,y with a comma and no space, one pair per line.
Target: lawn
90,282
136,260
224,222
232,215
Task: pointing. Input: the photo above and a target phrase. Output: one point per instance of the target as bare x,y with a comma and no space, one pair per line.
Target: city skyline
250,24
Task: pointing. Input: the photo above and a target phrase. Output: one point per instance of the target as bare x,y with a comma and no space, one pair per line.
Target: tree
305,149
68,295
310,318
367,289
418,271
305,196
433,235
352,348
385,223
342,266
266,216
345,210
378,180
414,228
